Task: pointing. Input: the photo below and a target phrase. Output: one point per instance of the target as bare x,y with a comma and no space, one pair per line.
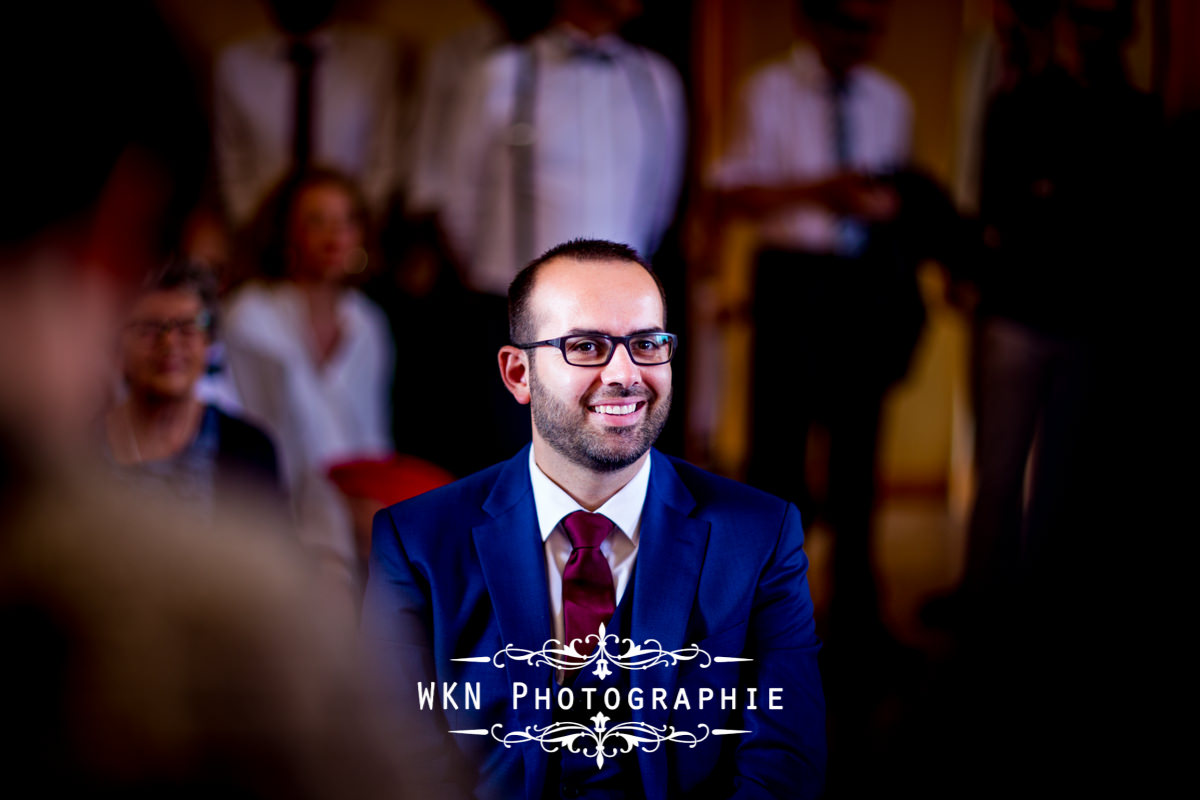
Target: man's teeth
619,410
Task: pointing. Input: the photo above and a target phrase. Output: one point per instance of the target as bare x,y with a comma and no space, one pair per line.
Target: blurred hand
854,195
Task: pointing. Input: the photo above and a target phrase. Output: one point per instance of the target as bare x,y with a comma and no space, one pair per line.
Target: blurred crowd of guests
346,220
311,333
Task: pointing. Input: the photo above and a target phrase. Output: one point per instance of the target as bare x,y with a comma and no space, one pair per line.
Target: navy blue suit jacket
461,572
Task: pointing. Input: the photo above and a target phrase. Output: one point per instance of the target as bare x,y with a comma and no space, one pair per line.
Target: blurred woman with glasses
160,432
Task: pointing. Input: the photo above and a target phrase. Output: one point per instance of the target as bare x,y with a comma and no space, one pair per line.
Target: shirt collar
624,508
570,40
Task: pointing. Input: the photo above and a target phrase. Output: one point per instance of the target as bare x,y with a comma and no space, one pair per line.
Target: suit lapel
512,559
670,556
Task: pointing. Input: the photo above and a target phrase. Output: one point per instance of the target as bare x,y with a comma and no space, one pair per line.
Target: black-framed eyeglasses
596,349
189,327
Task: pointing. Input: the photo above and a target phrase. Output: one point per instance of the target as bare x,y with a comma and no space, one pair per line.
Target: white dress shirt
786,134
620,548
607,142
355,127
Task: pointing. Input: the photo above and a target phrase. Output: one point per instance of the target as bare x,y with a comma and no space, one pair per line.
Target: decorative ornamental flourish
598,741
648,654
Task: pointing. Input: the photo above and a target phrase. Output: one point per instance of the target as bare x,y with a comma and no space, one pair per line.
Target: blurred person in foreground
638,575
143,657
160,432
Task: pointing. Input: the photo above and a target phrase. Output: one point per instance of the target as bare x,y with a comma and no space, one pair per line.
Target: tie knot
585,529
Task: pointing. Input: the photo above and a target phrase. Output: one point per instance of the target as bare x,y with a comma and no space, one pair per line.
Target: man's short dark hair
520,328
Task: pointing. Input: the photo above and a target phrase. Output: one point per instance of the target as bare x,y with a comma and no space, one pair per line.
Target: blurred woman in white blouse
312,357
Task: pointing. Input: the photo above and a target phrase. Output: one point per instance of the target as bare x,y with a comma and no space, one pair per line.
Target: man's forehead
596,295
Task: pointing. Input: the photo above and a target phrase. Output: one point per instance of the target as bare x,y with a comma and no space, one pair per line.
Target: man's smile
617,410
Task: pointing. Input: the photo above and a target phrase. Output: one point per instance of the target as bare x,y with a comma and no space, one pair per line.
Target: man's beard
566,429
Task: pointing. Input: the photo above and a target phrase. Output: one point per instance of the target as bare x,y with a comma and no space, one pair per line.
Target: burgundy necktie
588,596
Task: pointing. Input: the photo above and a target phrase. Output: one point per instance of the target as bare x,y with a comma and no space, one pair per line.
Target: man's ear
514,371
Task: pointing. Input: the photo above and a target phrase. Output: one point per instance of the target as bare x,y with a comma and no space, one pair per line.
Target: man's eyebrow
591,332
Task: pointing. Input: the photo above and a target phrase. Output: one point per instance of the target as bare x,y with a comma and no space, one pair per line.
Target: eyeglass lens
153,328
648,350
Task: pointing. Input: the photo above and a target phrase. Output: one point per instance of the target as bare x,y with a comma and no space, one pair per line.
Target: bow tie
588,51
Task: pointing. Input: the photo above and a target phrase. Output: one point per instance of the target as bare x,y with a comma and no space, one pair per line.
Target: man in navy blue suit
593,618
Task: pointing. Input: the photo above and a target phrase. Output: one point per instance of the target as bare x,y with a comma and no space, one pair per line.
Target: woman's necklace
188,421
133,439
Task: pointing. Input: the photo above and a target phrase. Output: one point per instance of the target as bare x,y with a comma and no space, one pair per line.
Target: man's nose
621,369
